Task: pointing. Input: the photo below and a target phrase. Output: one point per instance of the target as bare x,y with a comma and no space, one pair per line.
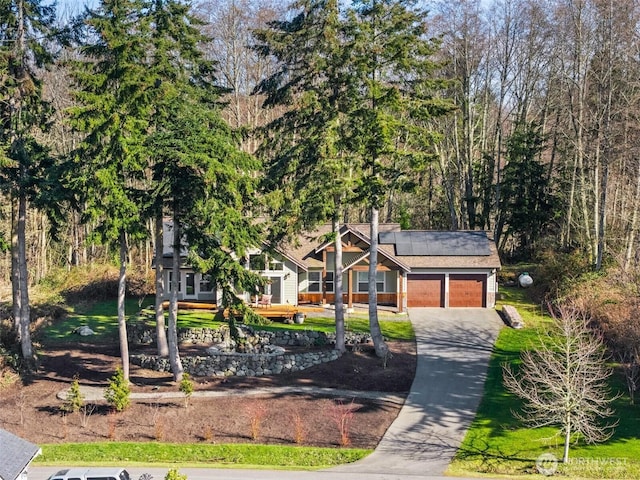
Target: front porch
387,302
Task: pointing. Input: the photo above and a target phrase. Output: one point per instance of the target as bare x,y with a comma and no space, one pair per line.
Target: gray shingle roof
15,455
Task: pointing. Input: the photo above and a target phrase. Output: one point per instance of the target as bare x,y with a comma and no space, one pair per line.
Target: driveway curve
453,347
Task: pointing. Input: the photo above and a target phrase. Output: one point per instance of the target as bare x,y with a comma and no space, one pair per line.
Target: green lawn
201,454
102,318
497,443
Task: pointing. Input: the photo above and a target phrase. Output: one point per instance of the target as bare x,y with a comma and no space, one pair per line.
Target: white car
101,473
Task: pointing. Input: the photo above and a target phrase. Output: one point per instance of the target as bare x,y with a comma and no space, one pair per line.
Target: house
416,268
15,456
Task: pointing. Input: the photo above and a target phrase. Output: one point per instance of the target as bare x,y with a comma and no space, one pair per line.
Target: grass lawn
194,455
498,444
101,317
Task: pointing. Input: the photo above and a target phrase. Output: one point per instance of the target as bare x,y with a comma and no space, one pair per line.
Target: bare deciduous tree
564,381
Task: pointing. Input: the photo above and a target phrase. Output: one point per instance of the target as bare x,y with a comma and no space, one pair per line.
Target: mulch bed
33,411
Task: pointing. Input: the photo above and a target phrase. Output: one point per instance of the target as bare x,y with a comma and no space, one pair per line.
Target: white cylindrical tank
525,280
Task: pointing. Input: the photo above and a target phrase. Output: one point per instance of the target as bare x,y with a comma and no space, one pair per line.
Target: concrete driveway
454,346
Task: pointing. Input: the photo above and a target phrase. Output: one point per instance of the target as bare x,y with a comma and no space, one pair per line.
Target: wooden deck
284,311
271,312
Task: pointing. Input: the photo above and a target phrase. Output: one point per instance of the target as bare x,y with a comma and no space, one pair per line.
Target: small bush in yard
256,411
118,393
186,387
299,428
342,415
75,399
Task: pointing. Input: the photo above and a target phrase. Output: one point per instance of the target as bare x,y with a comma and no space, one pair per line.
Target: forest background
541,149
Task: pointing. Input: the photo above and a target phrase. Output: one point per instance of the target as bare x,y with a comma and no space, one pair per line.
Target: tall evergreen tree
309,175
358,87
25,27
394,76
527,208
175,59
199,173
108,168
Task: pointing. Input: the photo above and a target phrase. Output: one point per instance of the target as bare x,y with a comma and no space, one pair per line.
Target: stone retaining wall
258,353
239,364
141,334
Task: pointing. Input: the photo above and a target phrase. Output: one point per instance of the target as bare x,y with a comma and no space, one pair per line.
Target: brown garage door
467,290
425,290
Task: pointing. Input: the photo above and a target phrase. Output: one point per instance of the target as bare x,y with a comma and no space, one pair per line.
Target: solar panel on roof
428,243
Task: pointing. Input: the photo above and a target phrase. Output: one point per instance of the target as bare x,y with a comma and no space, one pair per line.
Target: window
205,283
363,282
171,282
275,265
190,280
256,262
328,281
314,282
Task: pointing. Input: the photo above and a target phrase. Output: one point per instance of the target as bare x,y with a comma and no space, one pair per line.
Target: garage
467,290
425,290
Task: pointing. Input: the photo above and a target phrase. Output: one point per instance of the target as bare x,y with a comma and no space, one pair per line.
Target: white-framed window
171,282
314,282
261,262
190,281
205,283
329,283
275,265
363,282
257,262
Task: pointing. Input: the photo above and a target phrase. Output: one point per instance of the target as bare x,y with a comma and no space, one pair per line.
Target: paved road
454,346
42,473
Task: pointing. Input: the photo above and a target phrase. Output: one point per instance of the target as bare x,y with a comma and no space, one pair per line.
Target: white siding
290,287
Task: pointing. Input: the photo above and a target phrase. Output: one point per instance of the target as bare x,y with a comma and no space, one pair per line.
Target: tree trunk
122,320
337,285
15,270
567,440
25,311
633,231
448,188
174,354
379,344
602,213
161,334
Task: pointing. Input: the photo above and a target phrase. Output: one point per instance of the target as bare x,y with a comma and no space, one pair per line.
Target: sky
74,6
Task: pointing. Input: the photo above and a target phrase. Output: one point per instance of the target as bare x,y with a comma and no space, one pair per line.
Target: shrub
256,412
118,393
174,474
186,387
75,400
342,415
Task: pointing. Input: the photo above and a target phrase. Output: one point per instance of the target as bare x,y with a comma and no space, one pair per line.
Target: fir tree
26,26
108,169
309,175
200,175
395,92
